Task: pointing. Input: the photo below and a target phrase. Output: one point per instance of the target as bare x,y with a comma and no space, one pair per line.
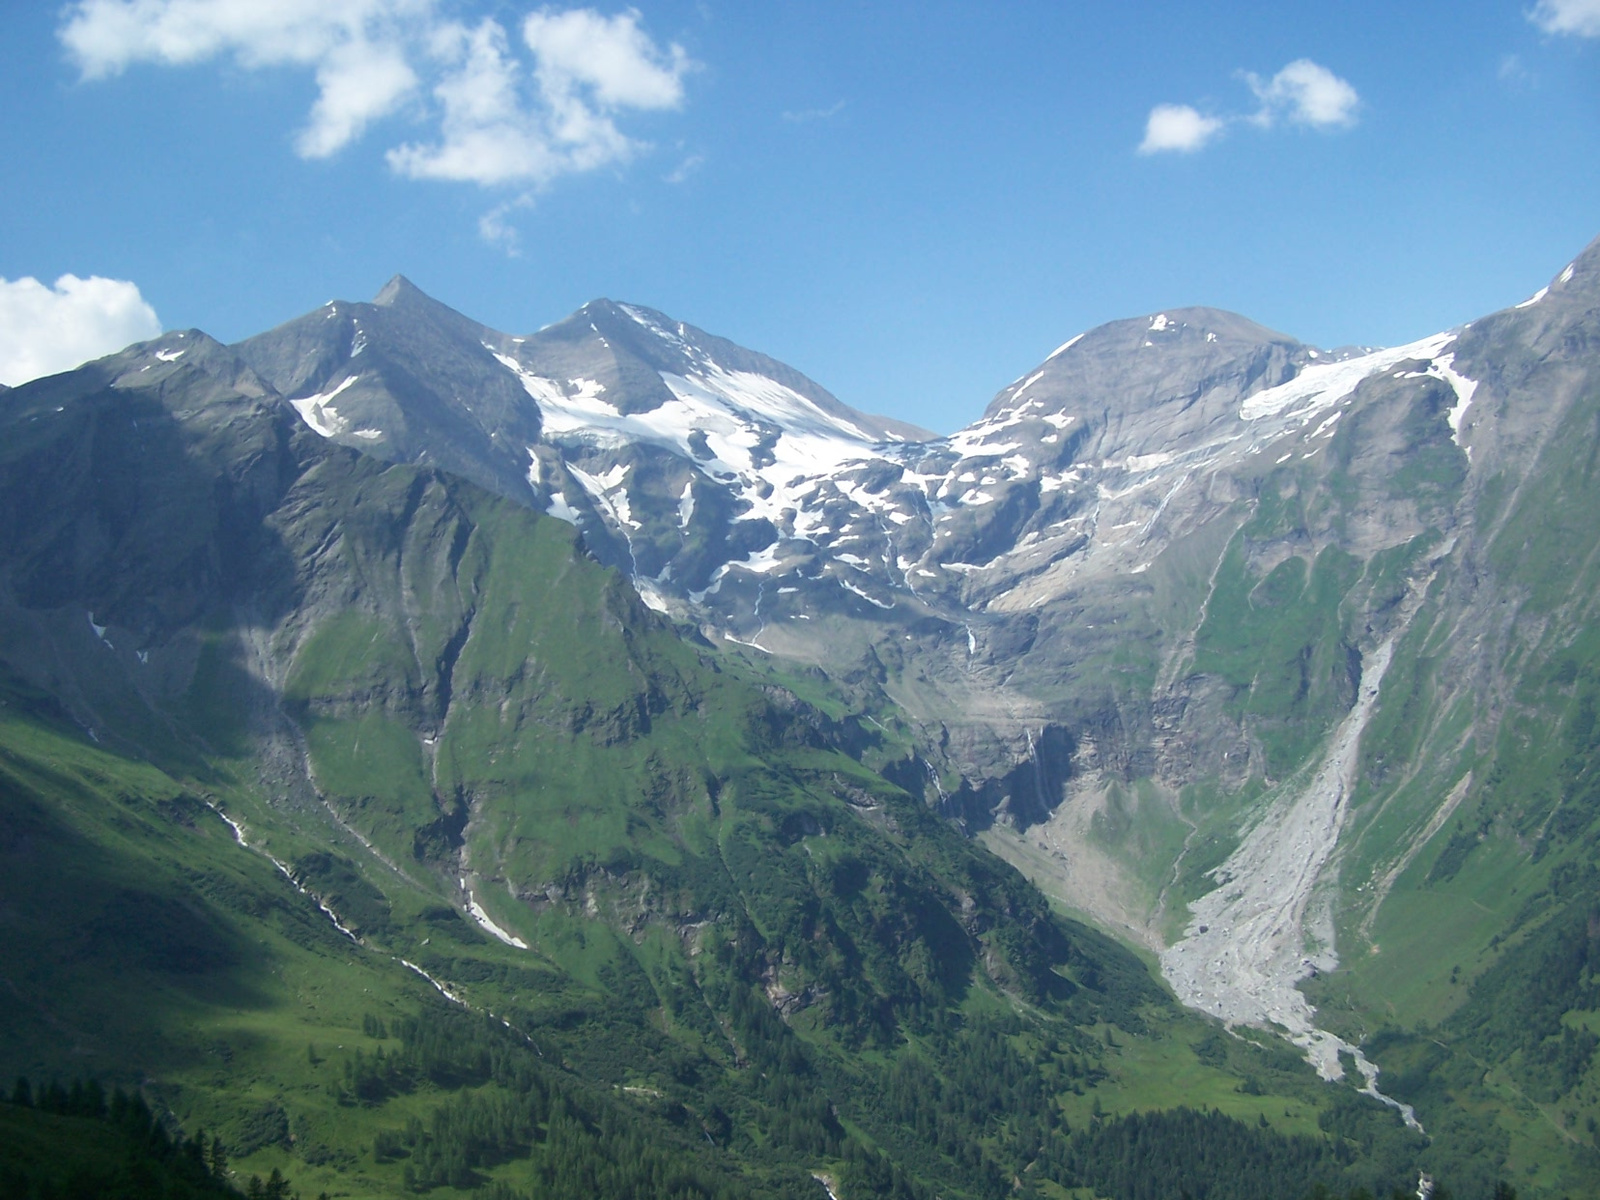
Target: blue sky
911,202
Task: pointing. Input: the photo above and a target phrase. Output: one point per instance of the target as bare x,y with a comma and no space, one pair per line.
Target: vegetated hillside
1345,740
82,1142
1480,821
356,816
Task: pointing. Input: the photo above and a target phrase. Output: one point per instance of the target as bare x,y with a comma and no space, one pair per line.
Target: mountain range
762,765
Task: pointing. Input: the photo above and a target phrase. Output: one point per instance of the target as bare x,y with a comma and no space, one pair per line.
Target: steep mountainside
352,811
1191,603
1276,662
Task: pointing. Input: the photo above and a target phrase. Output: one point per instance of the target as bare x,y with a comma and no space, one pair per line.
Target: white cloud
1303,93
1306,94
498,119
581,51
1578,17
107,36
1178,127
498,127
355,46
359,83
46,330
488,137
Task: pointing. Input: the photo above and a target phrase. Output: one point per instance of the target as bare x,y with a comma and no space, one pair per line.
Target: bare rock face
1037,592
1161,555
1225,640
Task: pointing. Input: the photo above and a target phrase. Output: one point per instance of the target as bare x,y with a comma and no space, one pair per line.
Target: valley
601,760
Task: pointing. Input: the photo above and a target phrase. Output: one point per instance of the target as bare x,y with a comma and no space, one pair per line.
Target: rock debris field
1245,948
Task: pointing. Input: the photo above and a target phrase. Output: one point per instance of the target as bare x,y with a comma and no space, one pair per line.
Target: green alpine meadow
602,764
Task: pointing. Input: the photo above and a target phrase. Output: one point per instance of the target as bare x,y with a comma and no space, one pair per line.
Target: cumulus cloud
1581,18
580,51
359,83
502,124
1178,127
500,116
46,330
1303,93
356,47
485,135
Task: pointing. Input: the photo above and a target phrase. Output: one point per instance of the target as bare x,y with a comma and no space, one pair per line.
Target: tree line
111,1146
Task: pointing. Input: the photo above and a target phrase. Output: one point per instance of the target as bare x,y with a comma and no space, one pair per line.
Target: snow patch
319,414
1535,298
1064,347
1328,423
1443,368
487,923
1323,385
608,493
562,511
873,600
1146,462
761,562
767,443
1026,384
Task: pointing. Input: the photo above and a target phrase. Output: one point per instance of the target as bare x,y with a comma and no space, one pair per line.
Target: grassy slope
1480,904
1496,905
1439,973
237,1002
683,849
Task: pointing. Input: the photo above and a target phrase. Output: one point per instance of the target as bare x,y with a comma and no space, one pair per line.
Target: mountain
559,419
353,813
1275,662
1145,610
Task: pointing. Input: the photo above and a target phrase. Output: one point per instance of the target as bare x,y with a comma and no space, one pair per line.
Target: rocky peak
629,342
405,378
1582,274
1143,385
400,292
